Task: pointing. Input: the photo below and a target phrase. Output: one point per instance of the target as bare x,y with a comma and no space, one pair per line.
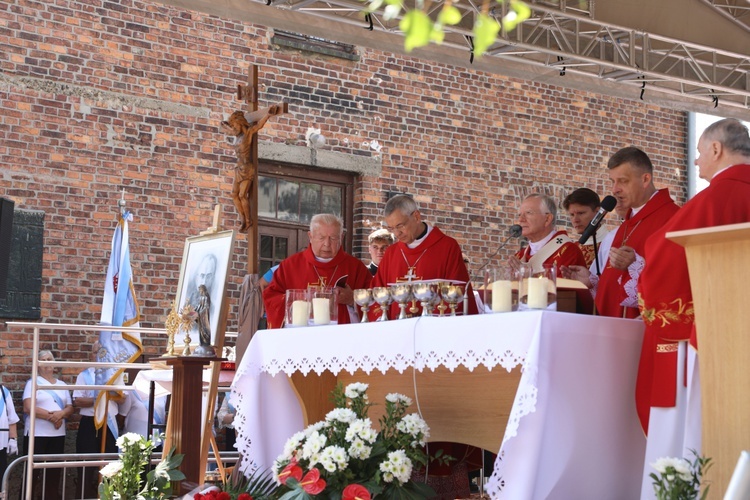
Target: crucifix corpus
243,126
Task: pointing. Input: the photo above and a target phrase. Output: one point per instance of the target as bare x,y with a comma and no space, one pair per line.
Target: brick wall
98,96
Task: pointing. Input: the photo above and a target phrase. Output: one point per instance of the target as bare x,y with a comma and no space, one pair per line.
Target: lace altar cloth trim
423,343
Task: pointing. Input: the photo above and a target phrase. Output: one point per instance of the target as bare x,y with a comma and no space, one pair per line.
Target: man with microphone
616,290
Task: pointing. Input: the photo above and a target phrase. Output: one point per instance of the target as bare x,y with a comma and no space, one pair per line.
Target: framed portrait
203,278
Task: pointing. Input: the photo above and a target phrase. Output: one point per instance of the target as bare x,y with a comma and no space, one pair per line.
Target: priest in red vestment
537,216
422,252
667,301
631,173
323,263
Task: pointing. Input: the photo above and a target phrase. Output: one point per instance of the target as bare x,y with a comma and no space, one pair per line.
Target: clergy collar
322,260
535,247
720,171
638,209
422,237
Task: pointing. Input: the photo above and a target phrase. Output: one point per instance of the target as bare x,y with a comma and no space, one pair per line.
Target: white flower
291,445
416,427
128,439
315,442
398,466
360,427
355,390
344,415
395,397
317,426
678,464
360,450
111,469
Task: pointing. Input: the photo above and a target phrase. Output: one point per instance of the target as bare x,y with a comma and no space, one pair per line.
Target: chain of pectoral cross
412,269
322,279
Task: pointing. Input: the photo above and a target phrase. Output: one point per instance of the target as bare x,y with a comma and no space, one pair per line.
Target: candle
321,311
502,300
300,312
537,298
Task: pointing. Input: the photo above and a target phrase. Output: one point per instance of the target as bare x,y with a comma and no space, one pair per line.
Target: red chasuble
438,256
664,286
302,270
632,233
569,254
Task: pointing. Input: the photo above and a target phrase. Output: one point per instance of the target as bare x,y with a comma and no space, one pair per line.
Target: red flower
223,496
244,496
291,470
355,492
312,482
198,496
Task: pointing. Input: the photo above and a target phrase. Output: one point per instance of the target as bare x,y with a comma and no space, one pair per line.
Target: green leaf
449,15
418,28
485,33
437,35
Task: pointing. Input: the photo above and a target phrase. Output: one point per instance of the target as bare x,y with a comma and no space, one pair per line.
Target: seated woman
53,407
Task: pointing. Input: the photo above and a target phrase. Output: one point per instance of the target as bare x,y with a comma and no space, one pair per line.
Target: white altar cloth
573,431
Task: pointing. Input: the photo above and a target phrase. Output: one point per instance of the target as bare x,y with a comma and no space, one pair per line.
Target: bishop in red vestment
422,252
323,263
631,173
665,297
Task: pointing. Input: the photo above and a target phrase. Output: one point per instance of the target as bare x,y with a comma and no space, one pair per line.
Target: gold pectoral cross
410,276
320,283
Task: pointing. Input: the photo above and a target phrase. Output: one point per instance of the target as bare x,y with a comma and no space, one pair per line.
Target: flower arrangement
122,479
678,479
343,457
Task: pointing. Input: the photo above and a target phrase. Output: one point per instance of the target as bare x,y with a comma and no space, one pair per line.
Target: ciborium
424,292
452,294
382,295
363,298
401,293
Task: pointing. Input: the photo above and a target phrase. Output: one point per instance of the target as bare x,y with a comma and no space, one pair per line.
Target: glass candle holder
539,289
297,307
325,307
500,289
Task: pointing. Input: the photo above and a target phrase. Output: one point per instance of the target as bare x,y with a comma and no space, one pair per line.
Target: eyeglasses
400,227
529,213
329,239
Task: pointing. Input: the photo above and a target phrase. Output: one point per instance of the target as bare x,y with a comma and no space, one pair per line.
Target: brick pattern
100,96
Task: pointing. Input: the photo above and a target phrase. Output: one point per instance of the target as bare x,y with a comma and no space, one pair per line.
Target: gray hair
731,133
45,353
326,220
548,203
403,203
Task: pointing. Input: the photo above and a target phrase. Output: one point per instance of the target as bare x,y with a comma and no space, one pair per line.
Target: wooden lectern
719,278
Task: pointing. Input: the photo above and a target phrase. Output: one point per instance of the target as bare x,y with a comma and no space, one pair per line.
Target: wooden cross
249,94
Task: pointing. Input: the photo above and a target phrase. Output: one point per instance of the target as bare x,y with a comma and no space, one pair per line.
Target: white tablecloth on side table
573,428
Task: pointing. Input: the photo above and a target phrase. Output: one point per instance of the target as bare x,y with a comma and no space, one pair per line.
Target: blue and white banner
119,308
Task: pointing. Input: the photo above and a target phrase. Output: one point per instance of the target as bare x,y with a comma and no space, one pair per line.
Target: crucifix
244,127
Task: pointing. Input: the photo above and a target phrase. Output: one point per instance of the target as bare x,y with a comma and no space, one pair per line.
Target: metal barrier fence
82,461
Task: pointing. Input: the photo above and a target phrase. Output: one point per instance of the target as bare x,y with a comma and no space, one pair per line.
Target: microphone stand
502,245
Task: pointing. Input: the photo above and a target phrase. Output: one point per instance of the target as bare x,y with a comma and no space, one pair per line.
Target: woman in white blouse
53,407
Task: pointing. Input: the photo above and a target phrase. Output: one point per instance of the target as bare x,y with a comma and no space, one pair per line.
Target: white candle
502,300
537,298
321,311
300,312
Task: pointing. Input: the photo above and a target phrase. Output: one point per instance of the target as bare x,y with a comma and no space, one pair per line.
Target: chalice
363,298
401,293
424,292
382,295
453,294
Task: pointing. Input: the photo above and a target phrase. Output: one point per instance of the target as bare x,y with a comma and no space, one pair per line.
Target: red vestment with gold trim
302,270
666,300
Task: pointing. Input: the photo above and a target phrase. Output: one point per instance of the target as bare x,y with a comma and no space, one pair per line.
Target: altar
553,392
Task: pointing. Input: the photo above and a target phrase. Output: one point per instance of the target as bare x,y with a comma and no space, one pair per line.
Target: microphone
608,204
514,231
